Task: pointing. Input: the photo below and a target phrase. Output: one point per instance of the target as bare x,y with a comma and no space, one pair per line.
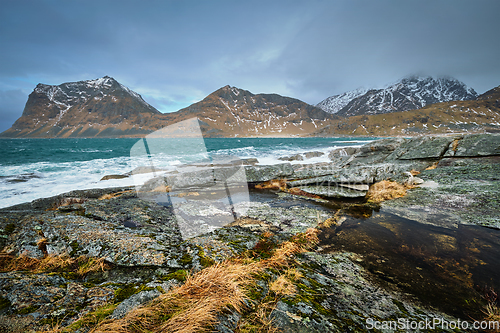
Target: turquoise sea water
35,168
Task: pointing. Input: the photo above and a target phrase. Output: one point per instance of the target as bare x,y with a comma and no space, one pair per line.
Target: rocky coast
90,259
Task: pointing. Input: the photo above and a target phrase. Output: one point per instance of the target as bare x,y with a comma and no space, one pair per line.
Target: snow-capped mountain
408,94
334,104
83,108
106,108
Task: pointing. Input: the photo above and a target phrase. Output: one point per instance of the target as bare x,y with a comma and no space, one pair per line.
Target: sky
175,53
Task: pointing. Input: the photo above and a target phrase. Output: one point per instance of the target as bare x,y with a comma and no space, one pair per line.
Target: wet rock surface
141,240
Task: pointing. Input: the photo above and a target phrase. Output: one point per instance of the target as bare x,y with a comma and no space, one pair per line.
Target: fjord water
36,168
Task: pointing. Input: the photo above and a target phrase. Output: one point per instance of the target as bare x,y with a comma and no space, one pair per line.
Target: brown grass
274,184
386,190
433,166
298,191
414,172
454,145
493,315
282,286
81,266
113,195
330,221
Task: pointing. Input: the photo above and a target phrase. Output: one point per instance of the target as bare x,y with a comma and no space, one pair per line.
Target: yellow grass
113,195
282,286
386,190
52,263
433,166
493,314
274,184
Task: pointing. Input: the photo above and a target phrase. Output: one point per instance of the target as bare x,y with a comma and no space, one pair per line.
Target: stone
249,161
333,191
296,157
108,177
426,147
474,145
133,302
312,154
357,187
262,173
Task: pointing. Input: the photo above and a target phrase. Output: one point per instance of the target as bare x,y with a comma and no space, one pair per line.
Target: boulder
475,145
262,173
312,154
342,156
332,191
296,157
108,177
424,148
133,302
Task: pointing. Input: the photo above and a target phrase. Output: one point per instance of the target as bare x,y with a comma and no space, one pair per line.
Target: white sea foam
30,181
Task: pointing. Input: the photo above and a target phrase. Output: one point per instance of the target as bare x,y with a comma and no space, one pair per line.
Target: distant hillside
481,115
408,94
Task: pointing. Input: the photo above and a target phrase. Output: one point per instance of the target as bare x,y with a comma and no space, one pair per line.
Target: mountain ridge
105,108
410,93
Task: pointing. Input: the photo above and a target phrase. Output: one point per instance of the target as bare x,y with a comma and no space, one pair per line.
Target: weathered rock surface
345,299
262,173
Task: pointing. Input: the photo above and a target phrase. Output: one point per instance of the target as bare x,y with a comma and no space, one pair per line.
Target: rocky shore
118,251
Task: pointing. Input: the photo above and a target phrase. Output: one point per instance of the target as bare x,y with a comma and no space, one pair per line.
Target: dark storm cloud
176,52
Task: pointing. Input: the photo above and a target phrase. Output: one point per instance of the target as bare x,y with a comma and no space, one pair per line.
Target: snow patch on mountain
334,104
409,93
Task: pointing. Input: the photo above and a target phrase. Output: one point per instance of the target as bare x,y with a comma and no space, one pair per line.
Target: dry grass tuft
274,184
81,266
386,190
282,286
9,263
454,145
89,265
298,191
113,195
293,274
433,166
267,234
414,172
330,221
492,313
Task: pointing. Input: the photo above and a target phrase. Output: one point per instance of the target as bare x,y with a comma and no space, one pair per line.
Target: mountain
334,104
101,107
471,116
410,93
106,108
231,111
492,95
